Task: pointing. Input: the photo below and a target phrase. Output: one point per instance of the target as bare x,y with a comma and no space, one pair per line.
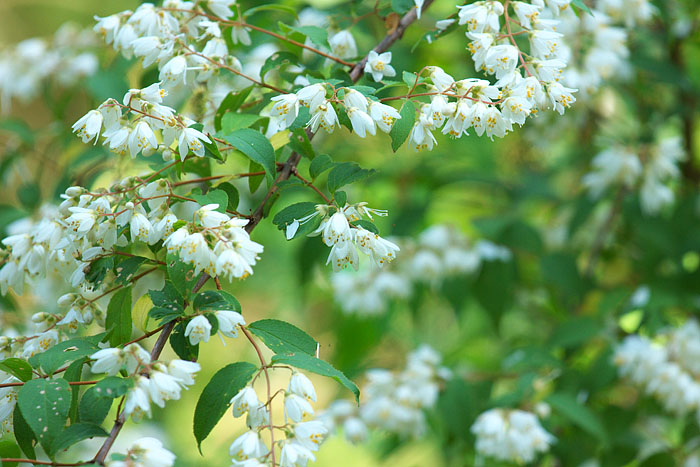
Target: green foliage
216,397
167,302
212,300
282,337
76,432
21,369
402,127
345,174
182,278
118,322
254,145
65,352
44,405
310,363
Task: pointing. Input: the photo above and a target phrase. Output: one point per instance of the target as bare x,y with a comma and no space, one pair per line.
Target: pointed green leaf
77,432
254,145
318,366
119,317
44,405
402,127
282,337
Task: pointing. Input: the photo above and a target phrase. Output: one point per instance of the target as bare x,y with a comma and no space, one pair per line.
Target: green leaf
119,317
232,121
582,6
574,331
23,434
97,270
402,127
9,450
231,103
182,278
216,397
17,367
299,142
94,407
73,374
168,304
255,180
578,414
254,145
213,197
320,164
29,195
212,300
271,7
282,337
318,366
367,225
340,198
232,193
77,432
44,405
66,352
318,36
346,173
275,62
181,344
402,6
295,211
126,269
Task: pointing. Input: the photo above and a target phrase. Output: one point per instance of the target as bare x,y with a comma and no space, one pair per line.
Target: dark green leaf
182,280
213,197
126,269
9,450
282,337
578,414
65,352
97,270
232,121
402,6
231,103
320,164
275,62
93,407
17,367
232,193
77,432
295,211
299,142
181,344
44,405
346,173
367,225
23,434
212,300
119,317
402,127
254,145
216,397
318,36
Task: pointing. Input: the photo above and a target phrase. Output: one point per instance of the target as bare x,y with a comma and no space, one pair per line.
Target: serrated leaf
345,174
213,197
282,337
216,397
126,269
318,366
402,127
93,408
254,145
340,198
65,352
17,367
213,300
44,405
320,164
119,317
181,275
98,269
75,433
73,374
299,142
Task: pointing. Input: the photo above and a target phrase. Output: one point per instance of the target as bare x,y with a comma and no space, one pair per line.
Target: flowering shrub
529,255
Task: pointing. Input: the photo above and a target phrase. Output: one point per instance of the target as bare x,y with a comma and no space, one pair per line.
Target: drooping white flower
286,108
248,446
300,385
362,123
297,408
343,45
383,115
192,140
88,127
245,400
229,322
198,329
141,138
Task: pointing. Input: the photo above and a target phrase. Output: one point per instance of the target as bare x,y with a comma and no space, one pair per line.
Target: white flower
163,387
343,45
440,79
324,116
142,138
183,371
312,96
310,434
501,60
221,8
108,361
421,135
294,454
378,65
174,72
137,401
300,385
244,401
297,408
107,27
383,115
140,227
229,321
286,108
481,16
362,123
381,251
239,34
527,13
248,446
191,140
210,217
198,330
149,452
89,126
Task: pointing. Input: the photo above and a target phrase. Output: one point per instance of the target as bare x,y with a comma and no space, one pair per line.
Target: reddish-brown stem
269,389
311,185
72,383
38,462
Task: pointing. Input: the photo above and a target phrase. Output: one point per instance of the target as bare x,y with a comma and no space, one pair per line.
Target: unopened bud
66,300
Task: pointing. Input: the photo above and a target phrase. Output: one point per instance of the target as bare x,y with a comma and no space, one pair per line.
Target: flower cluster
136,135
219,246
199,328
345,238
365,114
25,67
665,371
600,52
651,167
153,381
303,435
440,252
146,452
510,435
392,402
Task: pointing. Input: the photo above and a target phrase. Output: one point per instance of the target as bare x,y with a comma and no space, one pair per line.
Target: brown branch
37,462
